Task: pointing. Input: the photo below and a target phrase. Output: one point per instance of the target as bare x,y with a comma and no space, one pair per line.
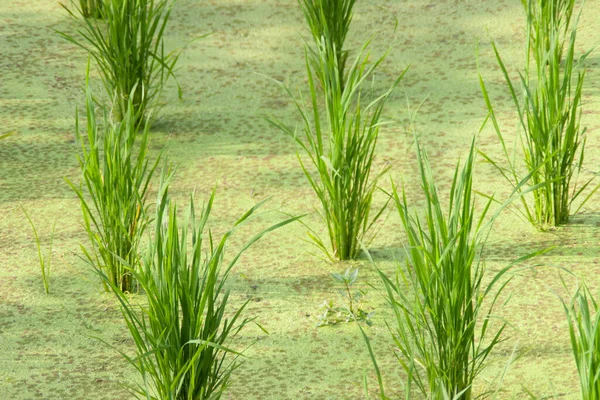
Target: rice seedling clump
441,298
128,49
340,143
549,112
116,177
182,334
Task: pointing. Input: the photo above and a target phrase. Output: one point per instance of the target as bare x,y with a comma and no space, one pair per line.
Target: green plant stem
45,262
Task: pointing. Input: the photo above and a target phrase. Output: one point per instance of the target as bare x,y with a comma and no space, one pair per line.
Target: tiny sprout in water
349,311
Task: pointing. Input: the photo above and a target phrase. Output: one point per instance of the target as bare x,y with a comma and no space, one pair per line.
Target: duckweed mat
217,135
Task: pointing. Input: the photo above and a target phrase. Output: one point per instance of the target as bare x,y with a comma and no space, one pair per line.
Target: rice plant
584,329
44,260
129,52
549,114
182,335
330,20
442,300
91,8
340,144
116,176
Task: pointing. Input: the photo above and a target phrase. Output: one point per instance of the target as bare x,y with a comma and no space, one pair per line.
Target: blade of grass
5,135
583,318
45,261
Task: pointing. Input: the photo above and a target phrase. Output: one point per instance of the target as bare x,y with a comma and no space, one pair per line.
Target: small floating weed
350,310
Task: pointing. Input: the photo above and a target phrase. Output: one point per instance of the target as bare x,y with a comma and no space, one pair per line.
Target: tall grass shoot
340,144
44,260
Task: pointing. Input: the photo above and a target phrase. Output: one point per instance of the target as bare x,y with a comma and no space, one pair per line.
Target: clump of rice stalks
441,299
330,20
128,49
116,175
549,112
91,8
584,329
45,261
183,332
340,144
